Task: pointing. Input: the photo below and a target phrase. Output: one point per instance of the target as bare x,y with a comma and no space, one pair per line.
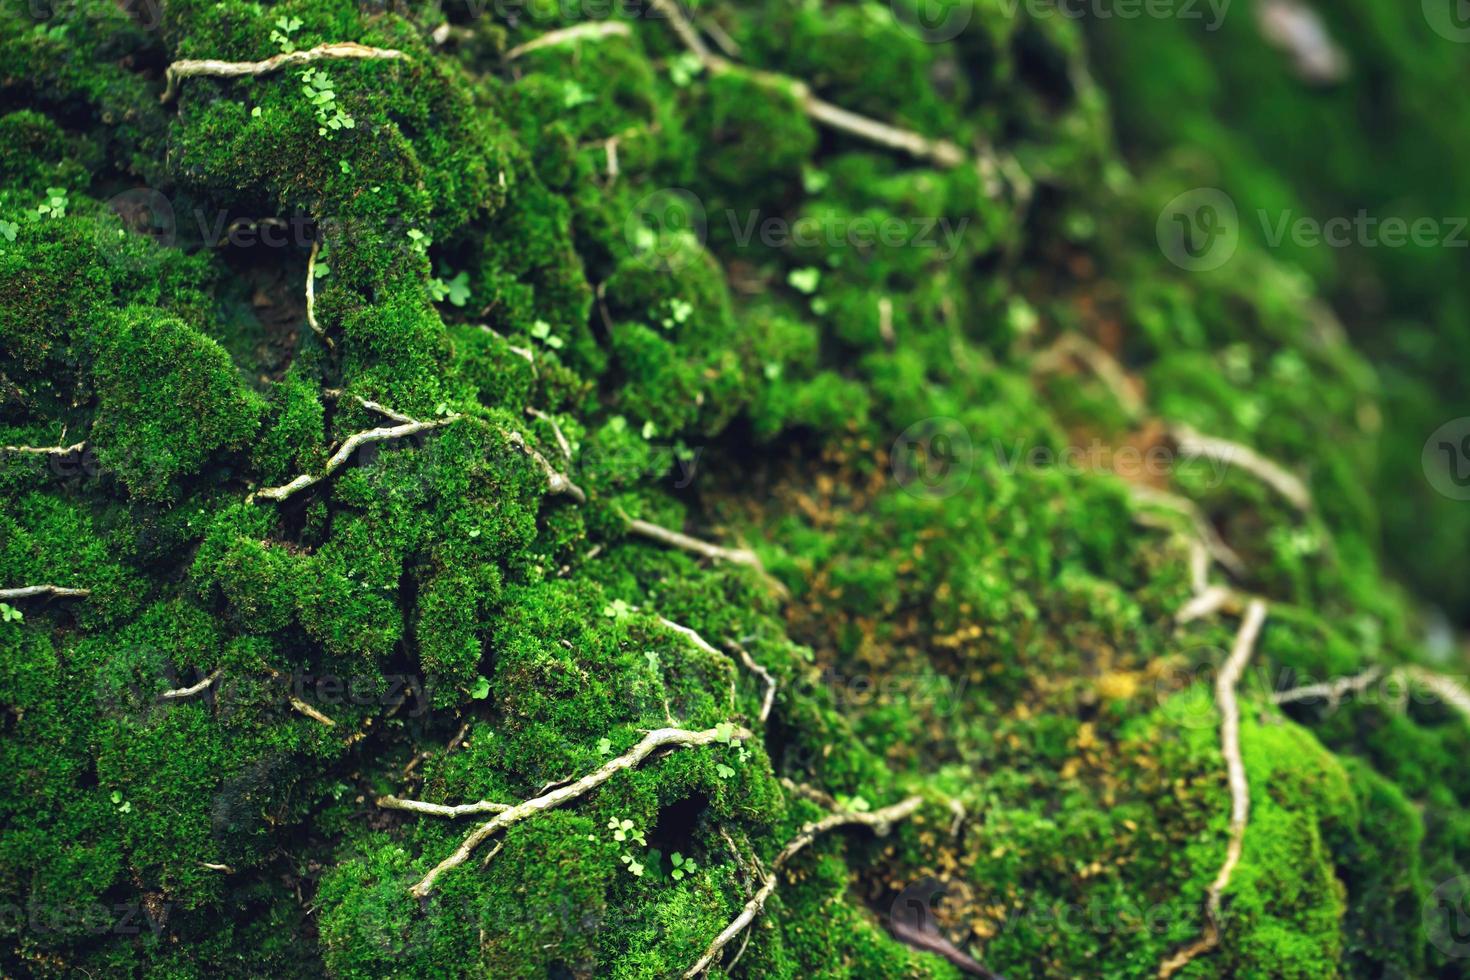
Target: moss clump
567,280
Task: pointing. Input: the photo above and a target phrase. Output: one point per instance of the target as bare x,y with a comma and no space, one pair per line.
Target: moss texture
733,321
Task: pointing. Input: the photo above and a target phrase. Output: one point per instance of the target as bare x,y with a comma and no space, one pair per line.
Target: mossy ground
975,623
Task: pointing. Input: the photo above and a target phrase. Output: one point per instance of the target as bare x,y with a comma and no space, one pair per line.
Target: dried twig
942,152
190,67
26,591
177,693
439,809
1240,797
654,740
1273,474
590,31
879,820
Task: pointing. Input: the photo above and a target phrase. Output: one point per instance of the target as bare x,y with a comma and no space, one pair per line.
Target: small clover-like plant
625,830
635,867
684,68
725,735
317,85
805,280
281,36
604,746
679,312
682,866
617,609
10,614
53,206
541,330
456,290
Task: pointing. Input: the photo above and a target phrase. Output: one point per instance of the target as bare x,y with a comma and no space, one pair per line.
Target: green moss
746,326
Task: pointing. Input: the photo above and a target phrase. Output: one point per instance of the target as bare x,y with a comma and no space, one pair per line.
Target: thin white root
942,152
556,481
342,455
1447,689
590,31
524,352
189,67
1273,474
212,866
178,693
316,328
1219,551
745,658
439,809
879,820
1207,602
1240,794
654,740
372,406
26,591
677,539
561,439
45,450
1330,691
1102,365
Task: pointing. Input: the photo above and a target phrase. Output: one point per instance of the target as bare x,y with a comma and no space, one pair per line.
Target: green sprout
682,866
10,614
624,830
54,206
281,36
323,97
541,330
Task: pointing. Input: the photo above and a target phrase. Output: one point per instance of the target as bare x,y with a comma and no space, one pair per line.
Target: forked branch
657,739
879,820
